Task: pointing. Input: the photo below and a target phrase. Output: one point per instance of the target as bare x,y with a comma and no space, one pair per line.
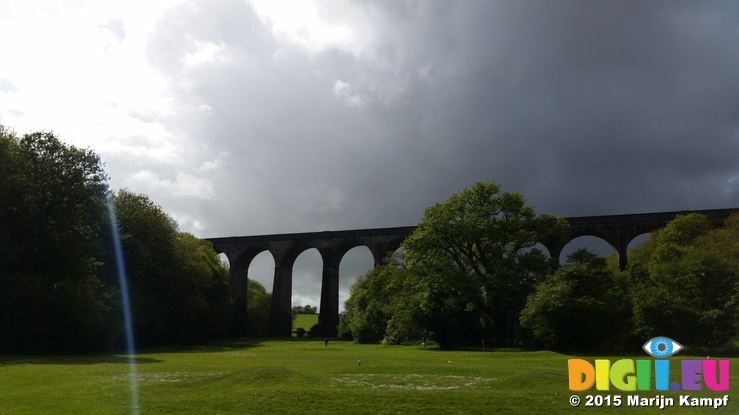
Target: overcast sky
257,117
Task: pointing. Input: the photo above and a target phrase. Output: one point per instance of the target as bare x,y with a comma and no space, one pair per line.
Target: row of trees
59,282
470,271
305,309
682,283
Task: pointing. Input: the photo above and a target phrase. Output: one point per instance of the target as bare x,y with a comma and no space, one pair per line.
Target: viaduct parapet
617,230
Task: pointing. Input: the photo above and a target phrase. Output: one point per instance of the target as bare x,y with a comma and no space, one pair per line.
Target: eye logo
662,347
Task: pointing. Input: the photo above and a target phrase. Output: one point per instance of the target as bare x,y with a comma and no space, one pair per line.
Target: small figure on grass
325,342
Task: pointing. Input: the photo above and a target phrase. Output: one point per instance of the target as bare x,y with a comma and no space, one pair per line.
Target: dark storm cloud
584,107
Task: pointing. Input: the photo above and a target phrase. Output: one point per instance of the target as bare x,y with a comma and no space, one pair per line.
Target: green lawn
306,377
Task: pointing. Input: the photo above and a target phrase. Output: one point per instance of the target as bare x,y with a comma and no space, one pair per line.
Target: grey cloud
584,107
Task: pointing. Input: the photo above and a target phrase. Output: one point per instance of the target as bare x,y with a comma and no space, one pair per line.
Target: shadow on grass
120,356
229,344
215,346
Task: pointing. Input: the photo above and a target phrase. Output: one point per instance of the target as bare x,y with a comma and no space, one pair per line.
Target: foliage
474,253
307,309
315,331
52,211
59,287
343,332
300,332
567,310
686,283
366,313
258,307
179,289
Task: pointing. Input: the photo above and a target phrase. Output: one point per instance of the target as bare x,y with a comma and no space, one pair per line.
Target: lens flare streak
126,306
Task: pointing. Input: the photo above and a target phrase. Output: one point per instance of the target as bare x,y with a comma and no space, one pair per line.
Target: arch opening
593,244
355,262
223,258
306,278
638,240
262,270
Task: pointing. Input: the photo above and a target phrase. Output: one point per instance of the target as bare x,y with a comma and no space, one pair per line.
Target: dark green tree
148,237
258,303
568,310
366,308
201,291
686,283
474,253
179,289
52,212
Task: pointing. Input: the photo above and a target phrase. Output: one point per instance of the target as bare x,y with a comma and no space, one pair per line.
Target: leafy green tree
686,283
258,303
58,276
568,309
201,291
148,238
52,210
306,309
343,332
366,307
475,253
179,289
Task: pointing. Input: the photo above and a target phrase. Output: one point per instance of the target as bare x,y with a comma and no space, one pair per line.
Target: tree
686,285
148,238
59,285
307,309
343,332
52,212
201,291
566,311
475,252
366,306
179,289
258,303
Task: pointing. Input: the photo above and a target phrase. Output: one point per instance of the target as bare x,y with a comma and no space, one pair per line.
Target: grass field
306,377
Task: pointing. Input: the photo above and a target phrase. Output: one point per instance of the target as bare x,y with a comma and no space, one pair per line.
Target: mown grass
304,377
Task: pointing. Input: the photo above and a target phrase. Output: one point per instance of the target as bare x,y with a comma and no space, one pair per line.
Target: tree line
471,272
59,282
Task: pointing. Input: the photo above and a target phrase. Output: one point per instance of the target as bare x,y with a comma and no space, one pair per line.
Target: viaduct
616,230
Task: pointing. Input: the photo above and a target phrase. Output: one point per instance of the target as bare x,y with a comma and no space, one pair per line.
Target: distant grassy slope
305,321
